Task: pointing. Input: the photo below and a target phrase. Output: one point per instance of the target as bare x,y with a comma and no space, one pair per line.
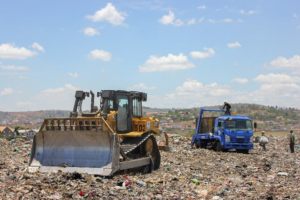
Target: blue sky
182,54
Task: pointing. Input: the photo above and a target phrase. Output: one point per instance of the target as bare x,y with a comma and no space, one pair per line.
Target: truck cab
223,132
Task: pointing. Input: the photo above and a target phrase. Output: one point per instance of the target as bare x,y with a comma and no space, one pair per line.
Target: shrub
10,138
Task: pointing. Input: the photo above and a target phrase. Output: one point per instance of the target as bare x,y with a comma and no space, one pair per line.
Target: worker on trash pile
292,141
228,107
263,140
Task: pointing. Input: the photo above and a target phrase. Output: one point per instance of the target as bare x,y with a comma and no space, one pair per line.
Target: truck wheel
246,151
217,146
197,144
223,149
203,145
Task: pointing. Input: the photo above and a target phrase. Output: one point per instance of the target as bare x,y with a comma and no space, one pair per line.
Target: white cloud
169,63
202,7
201,19
240,80
12,67
191,93
110,14
227,20
178,22
250,12
58,98
74,75
211,21
6,91
100,55
295,15
140,87
38,47
240,20
89,31
24,77
292,64
232,45
276,78
191,21
50,91
169,19
298,27
10,51
71,87
276,89
209,52
24,103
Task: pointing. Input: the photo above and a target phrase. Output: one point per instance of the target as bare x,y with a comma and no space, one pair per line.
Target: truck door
220,129
123,115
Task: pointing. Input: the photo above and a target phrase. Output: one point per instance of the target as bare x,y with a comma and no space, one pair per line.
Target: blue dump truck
223,132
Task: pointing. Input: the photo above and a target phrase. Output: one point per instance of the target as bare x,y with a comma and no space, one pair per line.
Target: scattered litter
184,173
283,174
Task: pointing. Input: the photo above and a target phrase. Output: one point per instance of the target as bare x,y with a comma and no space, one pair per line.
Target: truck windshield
238,124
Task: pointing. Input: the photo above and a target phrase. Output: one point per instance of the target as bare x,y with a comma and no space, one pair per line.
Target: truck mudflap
92,152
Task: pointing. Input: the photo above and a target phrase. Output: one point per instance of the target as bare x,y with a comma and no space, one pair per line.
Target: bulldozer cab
124,106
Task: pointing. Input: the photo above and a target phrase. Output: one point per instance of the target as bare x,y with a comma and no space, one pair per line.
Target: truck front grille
240,140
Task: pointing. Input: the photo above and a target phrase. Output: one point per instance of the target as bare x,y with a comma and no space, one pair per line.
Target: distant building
6,131
176,126
270,123
30,132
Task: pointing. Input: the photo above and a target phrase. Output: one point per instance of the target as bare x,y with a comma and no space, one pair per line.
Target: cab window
111,104
137,107
222,124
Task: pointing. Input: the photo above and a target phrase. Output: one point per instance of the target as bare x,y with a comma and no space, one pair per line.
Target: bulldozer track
129,144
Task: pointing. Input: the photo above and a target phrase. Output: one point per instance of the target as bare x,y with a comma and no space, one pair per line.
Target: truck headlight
227,138
251,139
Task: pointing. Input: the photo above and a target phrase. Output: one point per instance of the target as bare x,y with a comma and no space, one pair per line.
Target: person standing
263,140
228,107
292,141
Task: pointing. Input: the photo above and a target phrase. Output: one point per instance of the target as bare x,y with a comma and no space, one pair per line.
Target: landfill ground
185,173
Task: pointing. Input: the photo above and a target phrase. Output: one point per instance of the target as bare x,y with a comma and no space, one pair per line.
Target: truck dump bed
207,124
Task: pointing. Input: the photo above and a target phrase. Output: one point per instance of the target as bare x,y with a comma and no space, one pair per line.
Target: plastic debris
184,173
81,193
282,174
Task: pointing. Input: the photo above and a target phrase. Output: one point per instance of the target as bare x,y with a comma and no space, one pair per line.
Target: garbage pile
185,173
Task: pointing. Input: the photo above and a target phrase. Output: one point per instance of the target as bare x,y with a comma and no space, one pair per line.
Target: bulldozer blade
166,146
92,152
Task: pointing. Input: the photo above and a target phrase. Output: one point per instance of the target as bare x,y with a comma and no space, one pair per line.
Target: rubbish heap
185,173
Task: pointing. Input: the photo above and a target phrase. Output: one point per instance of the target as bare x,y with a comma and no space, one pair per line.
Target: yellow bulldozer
116,137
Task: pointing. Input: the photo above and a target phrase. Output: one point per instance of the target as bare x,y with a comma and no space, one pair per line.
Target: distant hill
287,117
30,117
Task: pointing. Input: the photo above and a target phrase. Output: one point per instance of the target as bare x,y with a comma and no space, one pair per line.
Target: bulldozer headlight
156,124
227,138
251,139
